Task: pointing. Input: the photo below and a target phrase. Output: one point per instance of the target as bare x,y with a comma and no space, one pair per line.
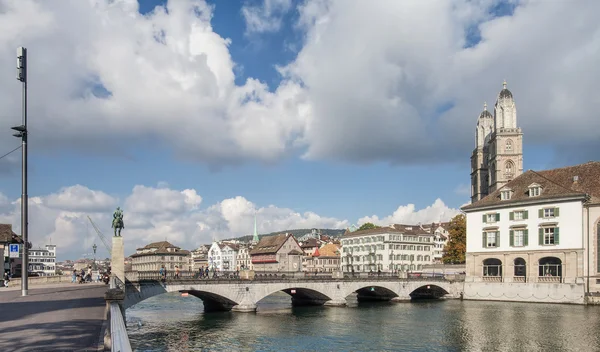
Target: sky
194,115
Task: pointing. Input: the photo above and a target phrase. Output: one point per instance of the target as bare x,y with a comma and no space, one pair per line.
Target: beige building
157,254
324,259
200,257
541,227
498,154
244,261
277,253
391,249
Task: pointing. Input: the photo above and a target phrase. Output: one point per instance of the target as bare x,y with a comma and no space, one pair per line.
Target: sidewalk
59,317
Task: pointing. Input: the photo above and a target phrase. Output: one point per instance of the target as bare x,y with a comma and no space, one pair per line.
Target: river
170,322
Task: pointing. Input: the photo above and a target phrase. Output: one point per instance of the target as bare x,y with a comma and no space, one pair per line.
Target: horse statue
117,222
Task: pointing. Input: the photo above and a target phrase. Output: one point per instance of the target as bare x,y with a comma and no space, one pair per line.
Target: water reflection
173,323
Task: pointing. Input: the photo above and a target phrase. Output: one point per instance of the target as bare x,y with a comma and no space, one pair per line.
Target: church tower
498,156
255,238
479,158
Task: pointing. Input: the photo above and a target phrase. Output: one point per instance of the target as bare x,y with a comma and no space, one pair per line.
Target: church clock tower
498,156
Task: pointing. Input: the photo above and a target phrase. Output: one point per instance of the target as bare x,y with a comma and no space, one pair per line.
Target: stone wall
41,280
525,292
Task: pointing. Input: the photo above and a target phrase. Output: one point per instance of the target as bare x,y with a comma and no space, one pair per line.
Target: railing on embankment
116,338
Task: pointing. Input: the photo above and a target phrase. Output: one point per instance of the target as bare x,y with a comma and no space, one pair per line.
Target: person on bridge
74,277
177,271
163,273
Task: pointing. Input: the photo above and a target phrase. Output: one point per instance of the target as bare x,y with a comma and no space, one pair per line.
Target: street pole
22,133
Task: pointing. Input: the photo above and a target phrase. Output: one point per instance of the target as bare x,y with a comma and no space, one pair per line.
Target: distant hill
297,233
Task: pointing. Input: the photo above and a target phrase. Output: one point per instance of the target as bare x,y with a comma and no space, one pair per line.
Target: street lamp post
94,247
22,133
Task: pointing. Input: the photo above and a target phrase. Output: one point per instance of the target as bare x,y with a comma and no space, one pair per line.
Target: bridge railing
140,276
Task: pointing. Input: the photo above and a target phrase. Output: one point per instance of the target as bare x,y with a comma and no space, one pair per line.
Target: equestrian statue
117,222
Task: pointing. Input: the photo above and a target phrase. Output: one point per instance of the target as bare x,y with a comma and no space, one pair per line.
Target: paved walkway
61,317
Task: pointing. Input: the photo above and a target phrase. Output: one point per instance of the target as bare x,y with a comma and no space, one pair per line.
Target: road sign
14,251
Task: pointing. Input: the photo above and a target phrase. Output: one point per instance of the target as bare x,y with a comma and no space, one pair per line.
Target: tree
455,249
368,226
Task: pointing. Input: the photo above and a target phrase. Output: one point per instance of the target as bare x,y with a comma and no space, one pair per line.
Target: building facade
323,260
161,254
244,260
498,154
7,237
43,260
277,253
541,227
200,257
440,239
388,249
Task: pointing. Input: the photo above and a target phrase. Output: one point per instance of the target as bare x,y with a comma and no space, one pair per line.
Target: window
535,190
518,238
549,236
505,195
548,213
519,215
509,168
508,145
488,218
491,239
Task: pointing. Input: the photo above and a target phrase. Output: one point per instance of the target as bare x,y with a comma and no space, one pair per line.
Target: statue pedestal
118,258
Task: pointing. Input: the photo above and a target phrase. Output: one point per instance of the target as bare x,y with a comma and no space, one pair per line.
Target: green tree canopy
455,249
368,226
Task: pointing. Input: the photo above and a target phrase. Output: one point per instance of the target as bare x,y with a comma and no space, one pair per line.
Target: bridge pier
244,308
339,302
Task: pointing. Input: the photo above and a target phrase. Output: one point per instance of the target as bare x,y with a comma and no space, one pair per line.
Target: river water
170,322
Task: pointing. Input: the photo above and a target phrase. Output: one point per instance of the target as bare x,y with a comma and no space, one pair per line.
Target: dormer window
535,190
506,194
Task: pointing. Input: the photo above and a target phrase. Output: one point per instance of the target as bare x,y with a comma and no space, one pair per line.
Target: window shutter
556,211
512,238
483,218
541,213
556,241
511,215
484,240
541,239
525,237
497,216
497,238
526,214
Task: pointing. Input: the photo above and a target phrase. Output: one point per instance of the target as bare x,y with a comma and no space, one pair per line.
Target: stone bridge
243,295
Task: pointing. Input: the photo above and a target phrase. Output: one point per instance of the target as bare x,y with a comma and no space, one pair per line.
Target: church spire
255,236
504,85
484,106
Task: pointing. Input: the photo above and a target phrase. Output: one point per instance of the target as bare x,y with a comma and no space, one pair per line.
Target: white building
43,261
535,229
398,248
223,256
440,239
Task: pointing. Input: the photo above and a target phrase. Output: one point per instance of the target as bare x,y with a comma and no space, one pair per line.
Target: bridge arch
428,291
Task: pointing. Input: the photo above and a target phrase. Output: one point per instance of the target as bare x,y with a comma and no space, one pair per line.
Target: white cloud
80,198
170,78
157,214
368,83
266,17
407,214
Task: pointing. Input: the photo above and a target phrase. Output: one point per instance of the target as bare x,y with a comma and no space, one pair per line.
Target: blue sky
353,157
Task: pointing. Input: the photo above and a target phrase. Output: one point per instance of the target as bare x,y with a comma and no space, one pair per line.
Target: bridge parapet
230,291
